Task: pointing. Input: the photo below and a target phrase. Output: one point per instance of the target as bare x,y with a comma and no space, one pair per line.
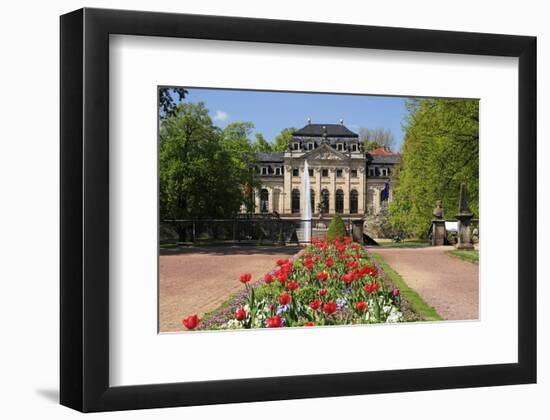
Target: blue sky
270,112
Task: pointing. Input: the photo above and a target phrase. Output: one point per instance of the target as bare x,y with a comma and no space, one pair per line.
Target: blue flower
341,303
282,308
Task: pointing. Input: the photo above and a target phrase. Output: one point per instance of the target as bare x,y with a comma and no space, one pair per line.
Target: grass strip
422,308
470,256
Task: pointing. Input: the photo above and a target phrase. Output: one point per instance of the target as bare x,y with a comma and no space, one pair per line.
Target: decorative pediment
324,152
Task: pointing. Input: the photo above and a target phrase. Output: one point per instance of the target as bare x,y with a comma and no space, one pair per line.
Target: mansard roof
270,157
332,130
383,156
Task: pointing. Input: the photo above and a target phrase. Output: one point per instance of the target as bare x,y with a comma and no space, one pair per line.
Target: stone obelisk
464,217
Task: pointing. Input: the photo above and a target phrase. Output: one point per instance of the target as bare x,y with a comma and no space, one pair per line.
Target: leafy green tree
261,144
282,140
336,228
169,97
198,177
236,141
440,150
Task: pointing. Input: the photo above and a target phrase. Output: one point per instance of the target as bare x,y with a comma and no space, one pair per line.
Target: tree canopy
440,151
373,138
204,171
282,139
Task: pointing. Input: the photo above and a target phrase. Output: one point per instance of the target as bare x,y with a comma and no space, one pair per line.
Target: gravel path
198,280
448,284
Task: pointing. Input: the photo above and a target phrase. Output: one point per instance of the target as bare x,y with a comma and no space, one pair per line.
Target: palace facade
343,177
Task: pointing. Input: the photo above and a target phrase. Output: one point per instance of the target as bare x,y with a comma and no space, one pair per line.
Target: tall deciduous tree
374,138
282,140
169,97
261,144
201,174
440,151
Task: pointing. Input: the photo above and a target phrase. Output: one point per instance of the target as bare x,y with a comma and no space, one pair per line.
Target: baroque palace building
343,177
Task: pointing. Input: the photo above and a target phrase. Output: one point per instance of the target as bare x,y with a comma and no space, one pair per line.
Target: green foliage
441,150
281,141
336,228
261,144
470,256
168,100
204,172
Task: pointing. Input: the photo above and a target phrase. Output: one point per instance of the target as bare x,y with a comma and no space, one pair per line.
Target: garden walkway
448,284
198,280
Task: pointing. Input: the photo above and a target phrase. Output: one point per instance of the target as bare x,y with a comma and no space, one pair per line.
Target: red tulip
371,288
308,264
349,277
282,262
322,275
274,321
245,278
361,306
329,308
322,292
191,322
268,278
284,298
330,262
309,324
282,276
316,304
240,314
292,285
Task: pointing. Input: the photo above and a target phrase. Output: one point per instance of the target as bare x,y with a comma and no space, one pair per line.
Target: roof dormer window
295,146
340,147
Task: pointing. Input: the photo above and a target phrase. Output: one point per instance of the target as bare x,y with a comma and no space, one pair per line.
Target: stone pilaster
287,190
332,190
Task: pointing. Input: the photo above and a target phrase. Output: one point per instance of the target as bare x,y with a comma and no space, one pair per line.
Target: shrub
336,228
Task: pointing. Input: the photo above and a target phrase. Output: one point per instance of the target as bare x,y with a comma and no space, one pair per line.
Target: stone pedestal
463,236
438,232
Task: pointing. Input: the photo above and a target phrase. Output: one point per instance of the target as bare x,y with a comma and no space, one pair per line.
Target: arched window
295,198
264,200
353,201
324,200
312,196
339,201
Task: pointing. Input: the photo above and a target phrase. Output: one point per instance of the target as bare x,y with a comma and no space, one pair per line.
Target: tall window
339,201
324,200
324,172
295,172
295,199
339,173
353,202
264,200
310,172
312,196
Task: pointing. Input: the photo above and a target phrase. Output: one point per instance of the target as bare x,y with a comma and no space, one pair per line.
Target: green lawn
422,308
406,243
470,256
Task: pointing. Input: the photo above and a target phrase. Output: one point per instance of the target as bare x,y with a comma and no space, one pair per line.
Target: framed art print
258,209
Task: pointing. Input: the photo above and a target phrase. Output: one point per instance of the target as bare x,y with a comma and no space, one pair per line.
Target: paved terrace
198,280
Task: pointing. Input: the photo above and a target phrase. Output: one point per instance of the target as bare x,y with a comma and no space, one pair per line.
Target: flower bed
329,283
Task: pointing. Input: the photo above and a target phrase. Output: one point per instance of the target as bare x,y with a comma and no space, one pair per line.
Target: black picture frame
84,295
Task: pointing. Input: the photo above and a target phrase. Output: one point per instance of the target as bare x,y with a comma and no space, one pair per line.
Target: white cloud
221,116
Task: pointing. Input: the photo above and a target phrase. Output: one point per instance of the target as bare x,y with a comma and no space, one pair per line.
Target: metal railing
250,228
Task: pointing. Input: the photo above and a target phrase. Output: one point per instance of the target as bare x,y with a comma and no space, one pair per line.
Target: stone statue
438,210
437,231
